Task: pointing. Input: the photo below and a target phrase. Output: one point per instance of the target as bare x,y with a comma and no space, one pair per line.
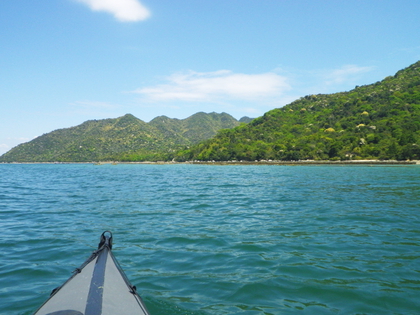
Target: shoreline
262,162
310,162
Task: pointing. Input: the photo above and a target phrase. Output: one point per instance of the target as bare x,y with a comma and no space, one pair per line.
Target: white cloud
21,139
11,142
216,86
345,73
94,104
123,10
4,148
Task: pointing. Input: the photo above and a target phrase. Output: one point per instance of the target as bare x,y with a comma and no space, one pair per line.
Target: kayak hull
98,287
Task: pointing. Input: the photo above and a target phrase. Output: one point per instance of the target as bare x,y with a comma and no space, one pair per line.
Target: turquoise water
199,239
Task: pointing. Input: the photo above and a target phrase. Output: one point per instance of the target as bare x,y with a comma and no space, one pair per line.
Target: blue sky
63,62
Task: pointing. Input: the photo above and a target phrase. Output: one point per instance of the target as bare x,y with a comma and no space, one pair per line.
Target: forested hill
377,121
126,138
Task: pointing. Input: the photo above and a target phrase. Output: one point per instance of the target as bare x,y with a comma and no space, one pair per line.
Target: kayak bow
98,287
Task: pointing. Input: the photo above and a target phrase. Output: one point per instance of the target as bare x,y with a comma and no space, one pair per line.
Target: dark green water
219,239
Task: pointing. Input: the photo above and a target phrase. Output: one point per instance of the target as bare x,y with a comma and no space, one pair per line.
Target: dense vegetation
125,138
377,121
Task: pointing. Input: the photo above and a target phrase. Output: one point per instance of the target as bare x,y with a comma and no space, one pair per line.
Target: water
199,239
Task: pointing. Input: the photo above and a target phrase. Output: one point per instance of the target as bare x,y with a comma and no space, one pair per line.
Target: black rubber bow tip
105,240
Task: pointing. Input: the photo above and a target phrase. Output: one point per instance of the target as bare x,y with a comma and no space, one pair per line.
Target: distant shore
310,162
234,162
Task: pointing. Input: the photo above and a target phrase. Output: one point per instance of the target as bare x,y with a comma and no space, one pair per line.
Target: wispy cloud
17,139
345,73
97,109
123,10
220,85
10,142
4,148
94,104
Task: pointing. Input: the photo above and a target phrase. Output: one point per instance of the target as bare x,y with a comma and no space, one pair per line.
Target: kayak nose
99,286
106,239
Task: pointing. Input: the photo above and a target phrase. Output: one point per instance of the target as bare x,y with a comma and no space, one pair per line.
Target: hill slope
124,138
377,121
195,128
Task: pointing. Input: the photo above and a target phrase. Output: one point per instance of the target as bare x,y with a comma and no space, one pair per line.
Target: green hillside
195,128
377,121
125,138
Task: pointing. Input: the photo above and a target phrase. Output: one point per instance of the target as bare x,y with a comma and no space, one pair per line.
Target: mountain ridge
122,138
375,121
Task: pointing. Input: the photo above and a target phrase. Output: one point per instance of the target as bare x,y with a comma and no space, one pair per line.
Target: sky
63,62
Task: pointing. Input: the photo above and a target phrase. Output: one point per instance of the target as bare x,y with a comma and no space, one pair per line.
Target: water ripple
201,239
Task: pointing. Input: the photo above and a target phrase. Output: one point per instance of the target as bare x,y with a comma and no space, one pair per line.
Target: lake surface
198,239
